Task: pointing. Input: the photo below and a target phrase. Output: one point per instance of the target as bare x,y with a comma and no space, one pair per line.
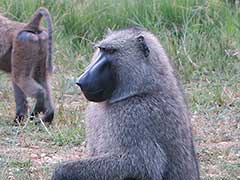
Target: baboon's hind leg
37,75
40,74
21,103
46,107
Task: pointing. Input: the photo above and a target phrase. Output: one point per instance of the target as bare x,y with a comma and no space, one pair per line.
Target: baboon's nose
81,82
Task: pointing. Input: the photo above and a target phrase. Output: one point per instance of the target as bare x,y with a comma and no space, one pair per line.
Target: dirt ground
217,144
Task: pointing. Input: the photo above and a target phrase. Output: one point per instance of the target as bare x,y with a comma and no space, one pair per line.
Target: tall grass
196,33
202,29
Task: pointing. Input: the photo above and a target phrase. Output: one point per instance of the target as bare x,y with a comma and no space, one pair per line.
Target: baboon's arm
115,167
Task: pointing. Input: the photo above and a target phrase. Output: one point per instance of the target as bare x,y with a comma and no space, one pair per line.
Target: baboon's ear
143,46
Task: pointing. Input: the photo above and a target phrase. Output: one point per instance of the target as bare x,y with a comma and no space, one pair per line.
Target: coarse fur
26,53
143,131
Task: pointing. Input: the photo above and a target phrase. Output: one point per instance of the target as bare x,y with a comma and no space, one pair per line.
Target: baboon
26,53
138,125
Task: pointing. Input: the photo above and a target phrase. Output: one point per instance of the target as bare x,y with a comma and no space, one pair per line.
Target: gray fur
143,132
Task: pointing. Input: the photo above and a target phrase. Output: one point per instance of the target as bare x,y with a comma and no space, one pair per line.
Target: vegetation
201,36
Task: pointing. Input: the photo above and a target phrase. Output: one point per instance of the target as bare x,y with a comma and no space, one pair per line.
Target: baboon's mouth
95,96
92,92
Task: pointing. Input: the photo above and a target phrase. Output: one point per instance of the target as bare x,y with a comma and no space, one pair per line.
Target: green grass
201,37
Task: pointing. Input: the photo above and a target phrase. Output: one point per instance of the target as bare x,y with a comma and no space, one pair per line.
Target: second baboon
138,125
26,53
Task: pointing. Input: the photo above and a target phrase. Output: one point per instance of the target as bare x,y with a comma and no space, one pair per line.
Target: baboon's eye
107,50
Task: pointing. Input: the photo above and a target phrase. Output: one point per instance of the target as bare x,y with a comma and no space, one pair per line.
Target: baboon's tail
34,24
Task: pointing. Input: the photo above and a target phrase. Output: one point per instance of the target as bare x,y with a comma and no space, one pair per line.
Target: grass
201,37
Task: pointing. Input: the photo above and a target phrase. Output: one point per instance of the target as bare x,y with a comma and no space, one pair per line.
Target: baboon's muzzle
97,82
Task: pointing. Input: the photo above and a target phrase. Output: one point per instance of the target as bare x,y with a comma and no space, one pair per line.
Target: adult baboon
26,53
140,129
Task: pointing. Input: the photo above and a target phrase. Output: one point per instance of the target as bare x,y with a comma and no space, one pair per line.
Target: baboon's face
118,66
98,82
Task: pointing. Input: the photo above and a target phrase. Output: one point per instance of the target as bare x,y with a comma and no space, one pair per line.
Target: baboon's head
126,63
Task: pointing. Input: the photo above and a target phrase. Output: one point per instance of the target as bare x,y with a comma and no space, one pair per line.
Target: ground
32,151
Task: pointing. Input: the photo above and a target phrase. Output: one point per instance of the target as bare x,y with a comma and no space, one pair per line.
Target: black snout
98,82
